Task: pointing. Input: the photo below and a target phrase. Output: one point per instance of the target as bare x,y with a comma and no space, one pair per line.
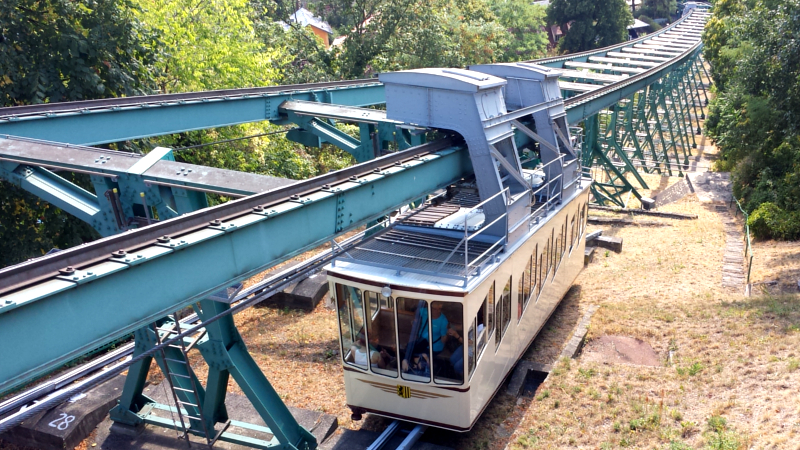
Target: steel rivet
295,197
216,222
258,208
163,239
354,178
69,270
119,254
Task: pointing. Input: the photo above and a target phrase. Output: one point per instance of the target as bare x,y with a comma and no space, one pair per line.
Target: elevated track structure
636,105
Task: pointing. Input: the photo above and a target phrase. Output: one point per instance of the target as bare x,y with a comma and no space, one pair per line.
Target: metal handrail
748,249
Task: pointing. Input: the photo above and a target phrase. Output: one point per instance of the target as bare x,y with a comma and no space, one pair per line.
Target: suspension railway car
421,342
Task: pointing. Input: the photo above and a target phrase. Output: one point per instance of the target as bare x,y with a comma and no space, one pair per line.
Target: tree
210,44
660,9
592,23
60,50
525,22
755,116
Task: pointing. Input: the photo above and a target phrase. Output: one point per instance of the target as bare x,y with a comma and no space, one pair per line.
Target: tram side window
351,325
414,349
471,353
520,291
525,282
489,302
483,320
506,300
547,259
564,230
449,341
381,333
557,256
534,272
503,311
541,276
573,236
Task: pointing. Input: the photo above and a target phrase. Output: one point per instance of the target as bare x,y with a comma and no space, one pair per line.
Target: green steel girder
587,106
115,124
225,352
53,189
163,277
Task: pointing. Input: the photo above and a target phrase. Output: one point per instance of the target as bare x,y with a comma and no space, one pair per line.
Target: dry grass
776,261
734,359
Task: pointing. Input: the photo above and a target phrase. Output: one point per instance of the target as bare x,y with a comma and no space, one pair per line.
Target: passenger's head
436,309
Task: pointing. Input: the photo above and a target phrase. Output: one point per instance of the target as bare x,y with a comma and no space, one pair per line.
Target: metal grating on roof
433,213
420,251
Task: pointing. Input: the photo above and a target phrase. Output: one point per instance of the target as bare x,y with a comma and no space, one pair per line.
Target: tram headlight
386,291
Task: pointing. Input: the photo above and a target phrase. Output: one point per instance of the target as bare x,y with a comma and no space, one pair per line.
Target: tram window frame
389,303
557,255
504,312
541,280
565,231
549,258
525,289
534,271
472,357
490,322
406,376
505,297
585,216
573,236
454,315
483,338
346,347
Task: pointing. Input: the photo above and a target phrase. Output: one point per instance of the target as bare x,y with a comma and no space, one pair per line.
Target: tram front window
414,349
430,341
351,325
380,329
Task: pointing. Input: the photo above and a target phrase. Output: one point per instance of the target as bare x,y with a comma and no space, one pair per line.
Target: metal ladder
174,331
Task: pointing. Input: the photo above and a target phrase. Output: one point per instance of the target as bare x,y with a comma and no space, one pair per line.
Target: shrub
770,221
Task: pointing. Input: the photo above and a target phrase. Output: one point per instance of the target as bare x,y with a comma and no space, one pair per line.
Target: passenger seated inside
358,354
431,339
457,358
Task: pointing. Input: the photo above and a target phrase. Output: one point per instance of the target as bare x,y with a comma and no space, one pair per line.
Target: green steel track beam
197,254
114,120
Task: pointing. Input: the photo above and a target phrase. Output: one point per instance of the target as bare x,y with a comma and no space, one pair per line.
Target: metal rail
53,392
588,53
15,277
161,99
413,436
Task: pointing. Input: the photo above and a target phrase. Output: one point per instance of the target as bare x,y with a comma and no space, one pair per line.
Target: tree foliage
61,50
755,117
660,9
211,44
590,24
525,23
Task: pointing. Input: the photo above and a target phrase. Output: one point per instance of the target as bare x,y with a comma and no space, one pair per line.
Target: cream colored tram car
383,312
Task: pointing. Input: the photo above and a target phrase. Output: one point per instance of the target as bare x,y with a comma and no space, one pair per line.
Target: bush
770,221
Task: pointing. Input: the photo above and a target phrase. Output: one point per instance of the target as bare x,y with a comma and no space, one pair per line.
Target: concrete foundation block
66,425
521,373
610,242
588,255
647,203
304,295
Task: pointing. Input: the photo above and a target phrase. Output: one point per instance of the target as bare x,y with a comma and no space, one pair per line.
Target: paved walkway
733,275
